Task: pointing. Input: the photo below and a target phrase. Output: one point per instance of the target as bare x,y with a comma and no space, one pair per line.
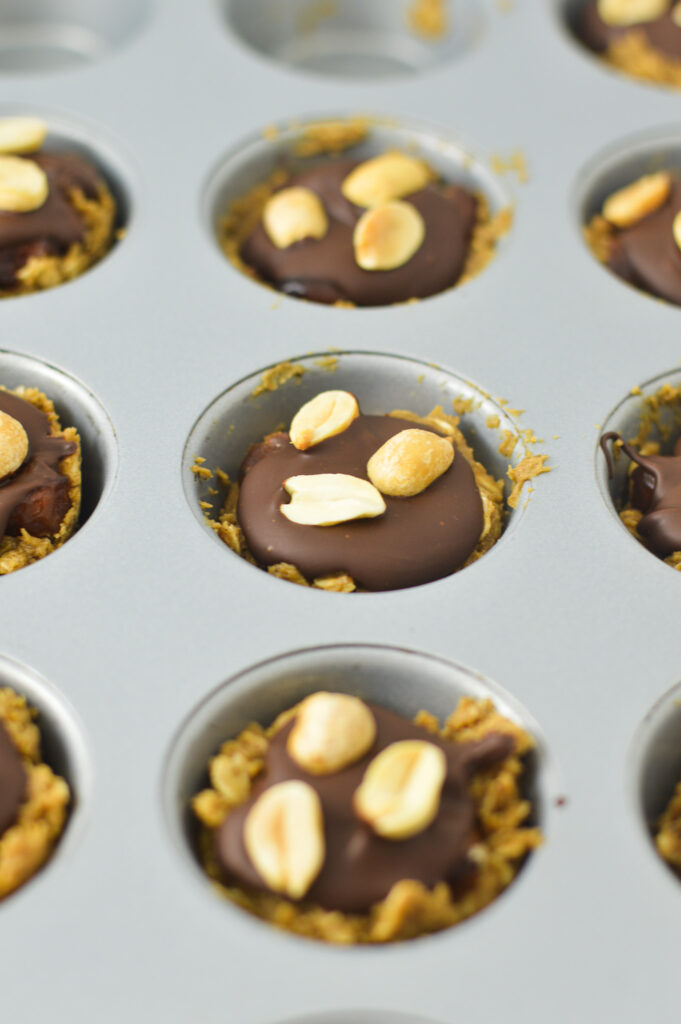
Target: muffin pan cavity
620,164
245,413
655,760
401,680
626,419
42,36
63,748
302,144
78,407
350,39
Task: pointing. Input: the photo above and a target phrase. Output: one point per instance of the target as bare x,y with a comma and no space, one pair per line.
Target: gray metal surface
121,635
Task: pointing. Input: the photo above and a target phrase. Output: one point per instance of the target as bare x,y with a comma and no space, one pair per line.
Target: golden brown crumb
516,164
508,443
26,845
18,552
527,469
428,19
331,137
278,375
410,909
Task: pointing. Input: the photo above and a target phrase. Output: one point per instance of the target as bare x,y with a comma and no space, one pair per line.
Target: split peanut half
284,837
326,415
331,730
399,795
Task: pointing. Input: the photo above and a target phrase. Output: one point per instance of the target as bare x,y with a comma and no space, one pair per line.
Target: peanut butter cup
648,495
33,800
346,822
56,212
639,37
40,478
347,501
638,234
362,233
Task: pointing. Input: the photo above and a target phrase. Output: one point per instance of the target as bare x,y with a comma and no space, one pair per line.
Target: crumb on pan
428,19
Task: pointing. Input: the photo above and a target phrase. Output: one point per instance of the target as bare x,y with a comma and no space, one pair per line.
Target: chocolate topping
324,270
646,254
54,226
663,34
13,781
655,491
360,867
36,497
416,539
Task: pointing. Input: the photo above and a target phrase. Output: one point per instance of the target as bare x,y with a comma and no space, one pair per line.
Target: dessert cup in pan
142,613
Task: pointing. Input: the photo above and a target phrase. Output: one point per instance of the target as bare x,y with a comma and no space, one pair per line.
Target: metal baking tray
144,641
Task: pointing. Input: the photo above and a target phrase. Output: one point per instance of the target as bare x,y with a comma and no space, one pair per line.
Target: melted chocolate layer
53,227
655,491
415,540
324,270
36,496
360,867
662,33
13,781
646,254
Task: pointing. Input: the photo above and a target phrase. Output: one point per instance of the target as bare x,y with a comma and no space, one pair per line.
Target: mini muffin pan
145,642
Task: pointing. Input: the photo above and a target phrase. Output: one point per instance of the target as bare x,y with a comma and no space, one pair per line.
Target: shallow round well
43,36
285,146
352,39
626,418
381,383
401,680
655,761
63,748
77,407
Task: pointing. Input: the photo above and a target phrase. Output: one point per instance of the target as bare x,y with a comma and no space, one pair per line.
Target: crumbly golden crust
40,272
227,527
409,909
662,414
17,552
632,54
27,844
